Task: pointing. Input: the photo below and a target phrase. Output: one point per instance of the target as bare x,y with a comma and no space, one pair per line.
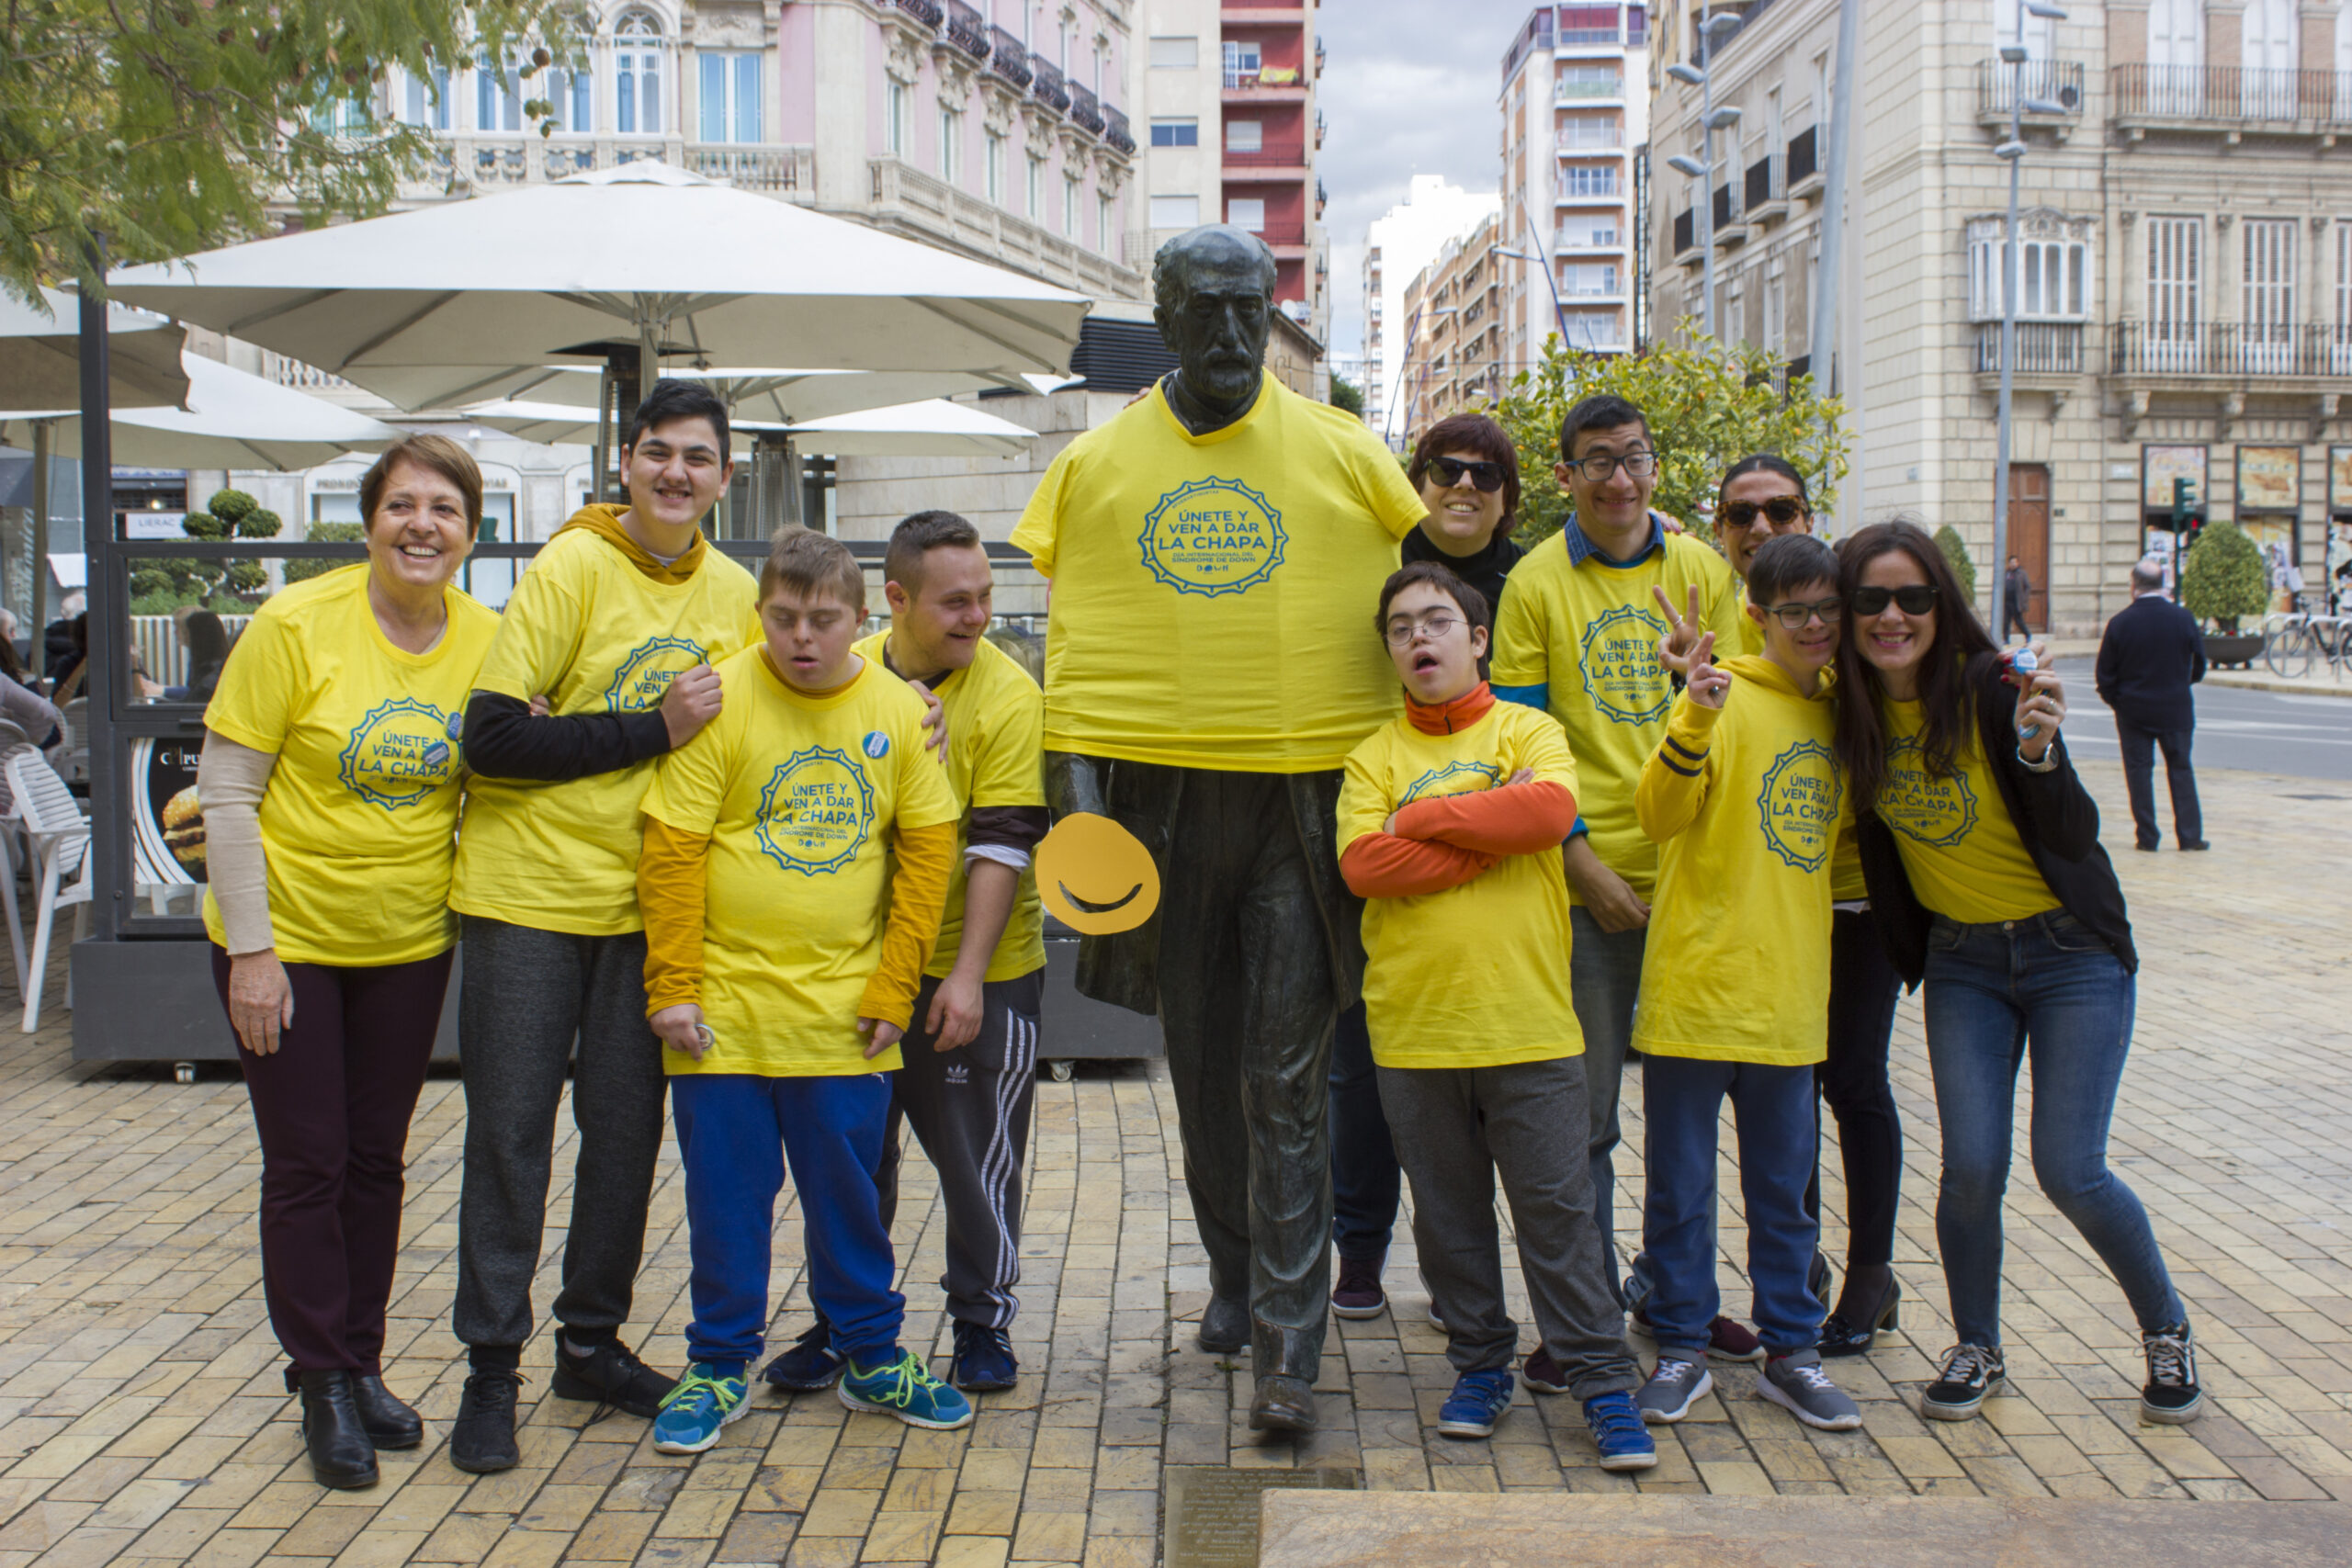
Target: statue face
1219,329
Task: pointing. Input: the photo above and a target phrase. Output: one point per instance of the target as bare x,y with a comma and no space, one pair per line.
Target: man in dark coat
2151,653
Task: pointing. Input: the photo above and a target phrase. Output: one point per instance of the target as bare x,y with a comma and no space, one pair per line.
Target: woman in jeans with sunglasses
1981,849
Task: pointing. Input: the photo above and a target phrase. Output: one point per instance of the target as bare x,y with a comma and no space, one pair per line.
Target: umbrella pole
600,461
648,358
44,433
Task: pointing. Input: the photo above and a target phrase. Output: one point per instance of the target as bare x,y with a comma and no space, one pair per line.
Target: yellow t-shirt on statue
1959,847
1213,594
357,822
595,635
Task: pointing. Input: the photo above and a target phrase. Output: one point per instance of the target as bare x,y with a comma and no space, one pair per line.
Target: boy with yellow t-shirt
782,954
1746,801
1448,822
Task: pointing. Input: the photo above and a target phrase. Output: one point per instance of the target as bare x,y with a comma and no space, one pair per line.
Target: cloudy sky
1411,89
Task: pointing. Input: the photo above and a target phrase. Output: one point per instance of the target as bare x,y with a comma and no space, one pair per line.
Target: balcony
1115,132
1280,235
1286,153
919,205
2233,100
1085,110
1803,175
1007,61
1598,138
1572,94
1999,83
2047,350
1597,242
930,13
1767,192
2280,354
1048,88
1686,235
967,30
1584,185
1588,26
1275,80
1730,227
501,162
773,170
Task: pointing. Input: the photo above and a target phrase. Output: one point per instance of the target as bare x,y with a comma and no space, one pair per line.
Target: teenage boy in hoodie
617,623
1450,824
1744,799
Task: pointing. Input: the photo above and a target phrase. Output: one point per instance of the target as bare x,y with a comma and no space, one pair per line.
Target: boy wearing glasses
1746,799
1578,635
1449,818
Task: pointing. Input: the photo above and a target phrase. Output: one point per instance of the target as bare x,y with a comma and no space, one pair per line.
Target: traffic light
2187,516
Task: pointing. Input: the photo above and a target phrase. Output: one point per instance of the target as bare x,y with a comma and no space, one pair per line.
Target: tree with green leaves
2224,580
1709,404
1346,396
1955,554
169,127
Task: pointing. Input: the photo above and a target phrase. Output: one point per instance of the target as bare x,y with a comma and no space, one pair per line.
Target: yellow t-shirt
1747,803
358,819
1589,632
1213,594
799,795
1476,976
596,636
1748,631
996,727
1959,847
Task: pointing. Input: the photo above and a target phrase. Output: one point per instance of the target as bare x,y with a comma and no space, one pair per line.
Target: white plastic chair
53,820
16,850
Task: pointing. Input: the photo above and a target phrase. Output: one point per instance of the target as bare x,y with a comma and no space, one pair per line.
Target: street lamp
2011,152
1702,168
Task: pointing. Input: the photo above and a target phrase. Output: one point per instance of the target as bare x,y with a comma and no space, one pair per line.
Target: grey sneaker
1681,1381
1797,1384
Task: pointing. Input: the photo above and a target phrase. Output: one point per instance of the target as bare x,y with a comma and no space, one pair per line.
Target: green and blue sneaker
690,1418
905,1388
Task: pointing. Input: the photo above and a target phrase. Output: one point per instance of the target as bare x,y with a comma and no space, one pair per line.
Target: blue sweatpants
735,1132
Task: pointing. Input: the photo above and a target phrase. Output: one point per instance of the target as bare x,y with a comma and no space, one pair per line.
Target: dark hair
1948,674
1789,561
1765,463
1471,433
810,563
915,538
1604,410
1438,575
437,453
672,398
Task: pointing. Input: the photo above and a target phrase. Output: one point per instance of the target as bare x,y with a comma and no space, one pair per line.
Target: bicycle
2301,640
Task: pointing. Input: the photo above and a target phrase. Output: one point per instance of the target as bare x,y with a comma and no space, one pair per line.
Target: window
340,116
1175,133
2053,276
1247,212
2343,280
2015,24
897,108
573,94
498,106
1590,81
1242,63
730,97
637,76
1036,191
1587,180
1184,212
1588,278
2176,56
993,170
428,100
1245,136
2269,300
1776,314
951,145
2175,308
1105,222
1175,54
1070,206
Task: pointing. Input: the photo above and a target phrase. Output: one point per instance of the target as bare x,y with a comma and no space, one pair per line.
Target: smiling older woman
330,785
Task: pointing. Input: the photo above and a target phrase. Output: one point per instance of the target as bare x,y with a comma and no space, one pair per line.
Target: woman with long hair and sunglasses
1981,850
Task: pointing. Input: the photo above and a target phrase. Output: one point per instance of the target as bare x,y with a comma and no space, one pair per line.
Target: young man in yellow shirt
1747,800
1577,634
795,863
970,1073
1450,820
618,624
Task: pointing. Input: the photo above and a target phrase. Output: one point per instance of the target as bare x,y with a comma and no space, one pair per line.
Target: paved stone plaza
142,1416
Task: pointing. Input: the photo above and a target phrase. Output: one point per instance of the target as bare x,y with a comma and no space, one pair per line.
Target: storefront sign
2270,478
2160,466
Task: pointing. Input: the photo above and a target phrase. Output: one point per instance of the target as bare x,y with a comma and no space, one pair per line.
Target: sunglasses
1782,510
1488,477
1914,599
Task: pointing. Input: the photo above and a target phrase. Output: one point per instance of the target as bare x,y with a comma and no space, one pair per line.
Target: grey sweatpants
1455,1129
969,1109
527,995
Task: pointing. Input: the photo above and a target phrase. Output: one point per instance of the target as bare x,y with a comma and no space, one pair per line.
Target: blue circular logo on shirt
1213,536
1622,674
816,812
645,675
1799,805
1455,778
399,754
1936,812
876,745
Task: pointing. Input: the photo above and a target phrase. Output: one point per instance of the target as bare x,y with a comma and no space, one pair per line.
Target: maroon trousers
332,1104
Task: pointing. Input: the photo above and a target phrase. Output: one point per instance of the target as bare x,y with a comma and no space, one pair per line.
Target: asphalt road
2271,732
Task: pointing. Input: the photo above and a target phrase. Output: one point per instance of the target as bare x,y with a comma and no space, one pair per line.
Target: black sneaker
1968,1376
811,1364
2171,1395
610,1374
481,1439
984,1362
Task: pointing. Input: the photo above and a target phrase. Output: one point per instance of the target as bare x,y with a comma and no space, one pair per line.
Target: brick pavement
140,1417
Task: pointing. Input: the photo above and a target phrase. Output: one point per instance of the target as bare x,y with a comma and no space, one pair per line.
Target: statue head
1215,287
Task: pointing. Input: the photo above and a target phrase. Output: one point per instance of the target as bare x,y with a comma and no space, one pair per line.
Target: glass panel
713,97
747,98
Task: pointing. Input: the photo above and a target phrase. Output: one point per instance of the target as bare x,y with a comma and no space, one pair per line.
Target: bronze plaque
1212,1520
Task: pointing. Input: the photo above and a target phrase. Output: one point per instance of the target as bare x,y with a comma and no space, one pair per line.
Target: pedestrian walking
2016,597
2150,655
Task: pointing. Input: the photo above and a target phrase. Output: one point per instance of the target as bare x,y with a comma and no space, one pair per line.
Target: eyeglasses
1488,477
1793,615
1600,465
1916,599
1438,625
1782,510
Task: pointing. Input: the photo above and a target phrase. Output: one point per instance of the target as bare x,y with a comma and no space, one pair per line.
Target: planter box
2237,652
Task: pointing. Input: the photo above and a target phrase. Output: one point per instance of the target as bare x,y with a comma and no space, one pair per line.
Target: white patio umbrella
934,428
435,307
232,421
779,395
40,355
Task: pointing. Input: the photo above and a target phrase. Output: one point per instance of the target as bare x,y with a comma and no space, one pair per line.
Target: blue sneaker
1477,1401
1618,1432
905,1388
700,1404
812,1362
984,1362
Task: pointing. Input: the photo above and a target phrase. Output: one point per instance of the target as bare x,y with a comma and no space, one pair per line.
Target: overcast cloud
1411,89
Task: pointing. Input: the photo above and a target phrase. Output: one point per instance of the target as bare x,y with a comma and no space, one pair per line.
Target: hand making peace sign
1676,648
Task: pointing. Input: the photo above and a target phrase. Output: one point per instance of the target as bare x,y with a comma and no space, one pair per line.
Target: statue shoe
1285,1404
1224,1326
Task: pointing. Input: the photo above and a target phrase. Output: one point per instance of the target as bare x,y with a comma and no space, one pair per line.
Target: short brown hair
912,540
437,453
1438,575
1471,433
810,563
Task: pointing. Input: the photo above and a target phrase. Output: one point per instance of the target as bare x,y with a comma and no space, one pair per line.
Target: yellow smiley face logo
1095,876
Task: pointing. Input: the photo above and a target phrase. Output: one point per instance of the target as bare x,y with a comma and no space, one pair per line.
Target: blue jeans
2046,991
1365,1178
1604,981
735,1131
1772,1115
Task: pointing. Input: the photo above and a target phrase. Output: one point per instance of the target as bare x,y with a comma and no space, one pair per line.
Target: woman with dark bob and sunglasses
1467,472
1981,849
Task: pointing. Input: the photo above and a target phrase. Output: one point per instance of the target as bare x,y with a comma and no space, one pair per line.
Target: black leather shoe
610,1374
481,1439
2196,844
1224,1326
1818,1280
1841,1338
1283,1404
341,1455
391,1424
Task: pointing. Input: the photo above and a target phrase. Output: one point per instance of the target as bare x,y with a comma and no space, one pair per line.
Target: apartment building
1575,104
1398,245
2183,284
1457,355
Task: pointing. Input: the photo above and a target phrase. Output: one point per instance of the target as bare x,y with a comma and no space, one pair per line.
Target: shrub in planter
1955,551
2225,578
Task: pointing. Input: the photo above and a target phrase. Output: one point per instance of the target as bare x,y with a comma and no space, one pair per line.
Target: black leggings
1862,991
